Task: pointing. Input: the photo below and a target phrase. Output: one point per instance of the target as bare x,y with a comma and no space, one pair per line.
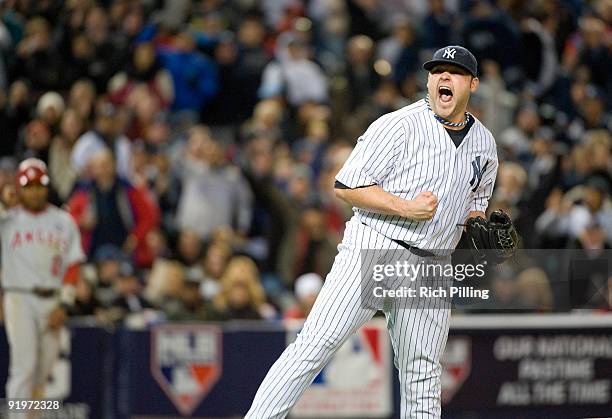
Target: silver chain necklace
445,121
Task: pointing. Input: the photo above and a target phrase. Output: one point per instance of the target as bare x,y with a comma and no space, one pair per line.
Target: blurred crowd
195,142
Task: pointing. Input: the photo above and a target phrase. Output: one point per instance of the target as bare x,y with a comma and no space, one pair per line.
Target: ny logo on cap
449,53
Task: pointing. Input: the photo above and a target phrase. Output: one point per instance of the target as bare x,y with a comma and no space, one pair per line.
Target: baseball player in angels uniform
41,253
416,178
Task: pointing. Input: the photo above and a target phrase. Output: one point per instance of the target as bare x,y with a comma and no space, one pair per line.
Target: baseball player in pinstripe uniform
414,178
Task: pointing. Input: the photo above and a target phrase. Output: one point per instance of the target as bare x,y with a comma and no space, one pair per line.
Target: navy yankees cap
454,54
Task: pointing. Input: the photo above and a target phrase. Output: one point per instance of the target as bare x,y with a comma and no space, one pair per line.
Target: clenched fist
422,207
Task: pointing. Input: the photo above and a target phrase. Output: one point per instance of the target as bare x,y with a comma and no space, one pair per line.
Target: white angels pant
418,332
33,346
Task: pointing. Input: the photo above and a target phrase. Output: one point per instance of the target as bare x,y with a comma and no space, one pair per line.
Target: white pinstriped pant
418,335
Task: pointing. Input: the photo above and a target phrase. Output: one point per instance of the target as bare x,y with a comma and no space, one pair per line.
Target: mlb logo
456,365
356,382
356,363
186,362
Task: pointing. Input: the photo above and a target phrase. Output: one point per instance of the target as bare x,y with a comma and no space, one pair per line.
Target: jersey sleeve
480,201
74,252
376,152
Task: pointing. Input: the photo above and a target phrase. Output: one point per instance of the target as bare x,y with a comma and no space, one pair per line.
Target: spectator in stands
309,149
189,248
110,52
165,184
498,104
542,157
85,303
214,264
191,306
273,214
406,63
37,59
108,260
360,74
533,290
109,210
82,98
312,249
437,26
242,296
265,122
539,54
570,215
294,76
366,18
510,185
214,194
239,77
35,141
158,245
599,144
485,28
49,109
593,238
143,107
129,293
336,212
515,140
588,48
252,59
144,69
82,56
307,288
194,76
591,114
105,135
164,283
16,113
299,186
63,175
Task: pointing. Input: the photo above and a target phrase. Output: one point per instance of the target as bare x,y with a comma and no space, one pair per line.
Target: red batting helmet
32,170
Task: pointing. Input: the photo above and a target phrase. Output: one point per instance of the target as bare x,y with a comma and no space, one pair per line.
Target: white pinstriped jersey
407,152
37,248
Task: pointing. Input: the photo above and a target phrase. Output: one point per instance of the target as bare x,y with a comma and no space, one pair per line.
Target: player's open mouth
446,94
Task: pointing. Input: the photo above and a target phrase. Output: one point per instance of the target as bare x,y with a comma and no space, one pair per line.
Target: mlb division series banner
202,370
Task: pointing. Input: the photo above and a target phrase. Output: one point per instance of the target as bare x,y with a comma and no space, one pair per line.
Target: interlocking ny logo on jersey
186,362
478,172
449,53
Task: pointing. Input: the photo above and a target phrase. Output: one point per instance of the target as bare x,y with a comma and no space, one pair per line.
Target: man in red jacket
109,210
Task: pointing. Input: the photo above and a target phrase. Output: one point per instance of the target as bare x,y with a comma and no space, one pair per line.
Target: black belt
39,292
413,249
